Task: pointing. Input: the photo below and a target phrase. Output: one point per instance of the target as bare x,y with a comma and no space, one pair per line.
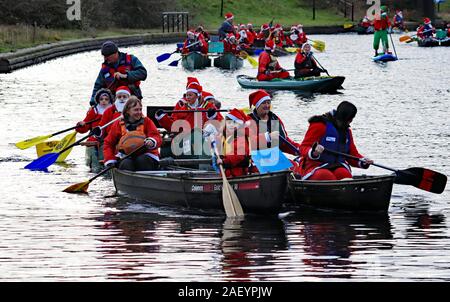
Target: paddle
83,186
317,44
39,139
422,178
230,200
175,63
393,45
45,161
196,110
251,60
320,65
56,146
165,56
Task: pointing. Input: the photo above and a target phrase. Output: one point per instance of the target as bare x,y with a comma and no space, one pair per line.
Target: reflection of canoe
257,193
195,60
432,42
228,61
310,84
363,193
384,58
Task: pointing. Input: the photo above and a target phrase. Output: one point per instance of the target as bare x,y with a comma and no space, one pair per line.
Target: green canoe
310,84
228,61
195,60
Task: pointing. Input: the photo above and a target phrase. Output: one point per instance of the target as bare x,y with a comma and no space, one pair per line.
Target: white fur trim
262,100
111,161
123,91
155,157
232,117
159,117
311,156
192,90
154,142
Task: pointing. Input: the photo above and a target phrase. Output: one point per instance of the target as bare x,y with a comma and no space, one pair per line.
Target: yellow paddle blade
246,110
81,187
45,147
252,61
348,25
32,142
65,142
319,45
230,200
404,38
291,49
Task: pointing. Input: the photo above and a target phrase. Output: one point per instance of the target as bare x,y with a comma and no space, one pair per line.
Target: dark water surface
403,121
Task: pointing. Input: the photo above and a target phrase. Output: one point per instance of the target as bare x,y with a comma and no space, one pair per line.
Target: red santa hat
195,88
249,25
278,27
270,45
265,26
230,36
229,16
258,97
427,21
123,89
237,115
190,33
192,80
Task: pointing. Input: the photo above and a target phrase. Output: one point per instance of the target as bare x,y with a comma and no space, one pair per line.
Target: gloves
365,163
211,113
111,163
97,131
209,130
317,150
150,142
267,72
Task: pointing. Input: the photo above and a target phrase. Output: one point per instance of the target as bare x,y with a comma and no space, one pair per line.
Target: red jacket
301,39
315,133
166,121
236,159
202,46
115,133
266,62
381,24
230,47
109,114
91,115
251,36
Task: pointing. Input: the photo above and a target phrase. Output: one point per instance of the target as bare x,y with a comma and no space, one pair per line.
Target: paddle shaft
87,136
75,127
320,65
193,111
393,45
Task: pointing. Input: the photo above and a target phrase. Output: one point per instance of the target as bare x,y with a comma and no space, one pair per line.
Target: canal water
402,121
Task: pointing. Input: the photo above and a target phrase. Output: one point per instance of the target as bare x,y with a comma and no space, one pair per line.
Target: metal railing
347,8
175,20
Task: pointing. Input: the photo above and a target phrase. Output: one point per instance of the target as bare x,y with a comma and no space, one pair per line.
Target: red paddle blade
422,178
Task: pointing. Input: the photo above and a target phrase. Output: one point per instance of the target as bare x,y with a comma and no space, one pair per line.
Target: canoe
310,84
432,42
195,60
364,30
262,194
228,61
384,58
362,193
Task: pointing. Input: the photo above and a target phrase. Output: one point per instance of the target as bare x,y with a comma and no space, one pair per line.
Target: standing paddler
381,25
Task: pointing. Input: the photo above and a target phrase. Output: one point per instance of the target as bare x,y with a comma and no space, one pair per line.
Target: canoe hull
263,194
365,193
228,61
195,60
433,42
313,84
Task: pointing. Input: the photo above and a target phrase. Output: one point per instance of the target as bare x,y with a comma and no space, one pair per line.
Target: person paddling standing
119,69
381,25
227,27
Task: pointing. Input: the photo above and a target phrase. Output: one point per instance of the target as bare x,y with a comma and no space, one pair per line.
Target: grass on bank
14,37
258,12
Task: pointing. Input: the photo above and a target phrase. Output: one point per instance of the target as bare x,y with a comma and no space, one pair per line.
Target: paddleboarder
381,25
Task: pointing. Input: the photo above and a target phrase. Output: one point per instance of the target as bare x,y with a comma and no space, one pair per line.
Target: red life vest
108,72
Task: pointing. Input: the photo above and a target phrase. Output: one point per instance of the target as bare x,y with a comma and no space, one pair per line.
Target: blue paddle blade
163,57
174,63
258,51
270,160
43,162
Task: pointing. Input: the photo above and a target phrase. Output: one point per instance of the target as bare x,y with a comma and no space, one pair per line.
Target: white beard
119,105
293,37
101,109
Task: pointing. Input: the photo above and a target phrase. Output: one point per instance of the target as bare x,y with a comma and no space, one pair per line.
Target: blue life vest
332,141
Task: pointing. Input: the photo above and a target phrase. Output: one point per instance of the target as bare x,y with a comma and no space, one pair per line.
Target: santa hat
427,21
258,97
237,115
278,27
207,95
242,26
265,26
300,25
124,90
230,36
190,33
195,88
229,16
192,80
270,45
249,25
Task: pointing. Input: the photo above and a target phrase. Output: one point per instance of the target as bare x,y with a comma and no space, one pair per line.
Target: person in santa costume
194,42
331,131
277,36
268,127
251,34
264,32
230,44
381,25
94,146
305,64
227,27
235,146
269,68
192,101
133,123
296,37
114,111
426,30
398,20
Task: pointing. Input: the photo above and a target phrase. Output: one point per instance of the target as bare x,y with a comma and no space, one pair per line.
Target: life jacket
273,62
126,145
332,141
124,65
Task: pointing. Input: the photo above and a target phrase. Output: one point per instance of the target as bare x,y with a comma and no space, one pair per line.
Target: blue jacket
226,28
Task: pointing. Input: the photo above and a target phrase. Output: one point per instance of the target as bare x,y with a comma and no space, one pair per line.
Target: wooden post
314,9
221,8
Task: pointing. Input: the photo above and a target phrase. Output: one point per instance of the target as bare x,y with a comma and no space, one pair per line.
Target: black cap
109,48
346,111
